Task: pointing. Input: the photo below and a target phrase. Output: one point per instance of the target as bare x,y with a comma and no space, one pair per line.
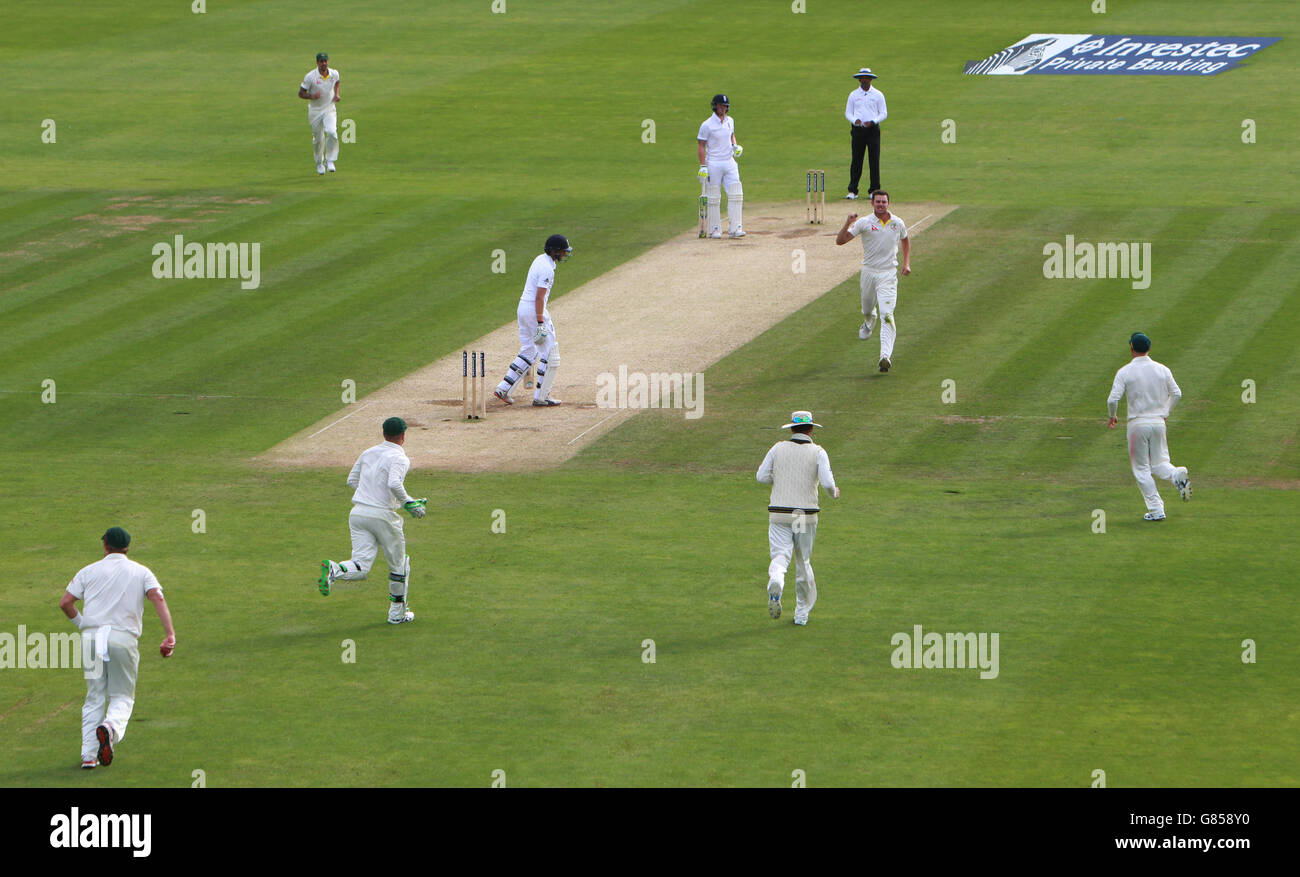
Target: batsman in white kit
1152,394
113,591
882,234
717,152
538,345
378,478
794,468
320,88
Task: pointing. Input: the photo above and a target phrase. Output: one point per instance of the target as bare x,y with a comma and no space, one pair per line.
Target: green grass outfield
1118,651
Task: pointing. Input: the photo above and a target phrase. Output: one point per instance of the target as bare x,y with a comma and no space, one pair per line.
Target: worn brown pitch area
677,308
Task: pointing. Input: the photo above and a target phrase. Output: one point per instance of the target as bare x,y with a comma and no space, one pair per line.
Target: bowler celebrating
1152,394
881,235
320,87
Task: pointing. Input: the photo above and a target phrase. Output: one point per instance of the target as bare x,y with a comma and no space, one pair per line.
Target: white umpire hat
800,418
865,71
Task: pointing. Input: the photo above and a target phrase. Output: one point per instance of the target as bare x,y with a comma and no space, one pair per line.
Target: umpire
865,111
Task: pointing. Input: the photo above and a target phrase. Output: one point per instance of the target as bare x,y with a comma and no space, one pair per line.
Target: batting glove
540,337
704,171
737,151
417,507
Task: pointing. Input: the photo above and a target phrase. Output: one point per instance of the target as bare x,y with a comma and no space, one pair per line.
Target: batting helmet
720,99
557,247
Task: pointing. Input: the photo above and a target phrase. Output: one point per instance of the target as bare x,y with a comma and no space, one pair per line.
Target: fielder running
378,477
1152,394
717,151
881,235
113,590
537,342
320,87
794,468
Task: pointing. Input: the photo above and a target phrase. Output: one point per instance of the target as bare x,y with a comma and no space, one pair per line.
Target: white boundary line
340,420
584,432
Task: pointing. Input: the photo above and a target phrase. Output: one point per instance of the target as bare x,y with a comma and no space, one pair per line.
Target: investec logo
1105,260
177,260
49,651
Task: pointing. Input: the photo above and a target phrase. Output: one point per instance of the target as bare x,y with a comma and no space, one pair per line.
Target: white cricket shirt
541,275
794,468
313,81
378,476
112,591
879,240
1150,387
866,106
716,134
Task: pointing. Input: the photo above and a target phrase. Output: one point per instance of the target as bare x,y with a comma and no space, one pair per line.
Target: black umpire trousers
865,139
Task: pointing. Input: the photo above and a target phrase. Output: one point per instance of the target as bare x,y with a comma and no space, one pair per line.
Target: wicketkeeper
378,477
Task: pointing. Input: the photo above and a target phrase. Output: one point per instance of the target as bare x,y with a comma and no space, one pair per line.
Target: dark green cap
117,538
322,56
1139,342
394,426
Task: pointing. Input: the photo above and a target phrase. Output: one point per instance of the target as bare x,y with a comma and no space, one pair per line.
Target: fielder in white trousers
1148,454
112,591
879,295
791,537
794,468
110,685
325,136
1152,394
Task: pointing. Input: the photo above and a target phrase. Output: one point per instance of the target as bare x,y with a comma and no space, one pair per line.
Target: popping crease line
340,420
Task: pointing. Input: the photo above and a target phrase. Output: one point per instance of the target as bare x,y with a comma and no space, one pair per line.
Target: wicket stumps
815,186
473,391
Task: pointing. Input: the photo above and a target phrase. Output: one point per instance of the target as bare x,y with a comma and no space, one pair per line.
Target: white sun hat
800,418
865,71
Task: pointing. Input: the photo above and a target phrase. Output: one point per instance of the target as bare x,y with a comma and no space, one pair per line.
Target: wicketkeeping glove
704,171
417,507
540,337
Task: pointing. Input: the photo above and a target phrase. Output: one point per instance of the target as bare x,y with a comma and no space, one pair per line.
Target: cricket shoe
328,574
852,196
89,763
329,166
884,363
1154,516
738,233
548,402
774,605
503,397
868,326
802,622
715,235
399,614
320,168
105,738
1183,484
